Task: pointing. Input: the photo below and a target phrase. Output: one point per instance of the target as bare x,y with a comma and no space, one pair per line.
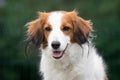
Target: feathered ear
82,30
35,30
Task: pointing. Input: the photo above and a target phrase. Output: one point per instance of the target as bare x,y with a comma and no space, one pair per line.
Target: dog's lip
57,54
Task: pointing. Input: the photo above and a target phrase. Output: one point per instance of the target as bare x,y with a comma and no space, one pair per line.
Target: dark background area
15,64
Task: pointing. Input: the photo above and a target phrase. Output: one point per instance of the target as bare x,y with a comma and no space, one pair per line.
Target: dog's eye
66,28
48,29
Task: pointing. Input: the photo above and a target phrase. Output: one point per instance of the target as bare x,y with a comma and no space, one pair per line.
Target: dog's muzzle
57,54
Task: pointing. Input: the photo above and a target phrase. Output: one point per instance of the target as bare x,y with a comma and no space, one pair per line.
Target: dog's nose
55,44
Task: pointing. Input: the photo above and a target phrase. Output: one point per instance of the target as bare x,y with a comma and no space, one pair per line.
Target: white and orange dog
67,51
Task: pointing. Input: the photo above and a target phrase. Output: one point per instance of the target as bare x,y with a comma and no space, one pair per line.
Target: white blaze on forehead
55,19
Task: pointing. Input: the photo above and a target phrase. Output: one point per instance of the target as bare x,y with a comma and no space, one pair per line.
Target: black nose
55,44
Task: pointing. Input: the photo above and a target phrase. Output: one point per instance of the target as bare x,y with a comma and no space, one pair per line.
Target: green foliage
14,14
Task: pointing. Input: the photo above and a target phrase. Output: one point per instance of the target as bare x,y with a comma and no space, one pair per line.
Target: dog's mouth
58,54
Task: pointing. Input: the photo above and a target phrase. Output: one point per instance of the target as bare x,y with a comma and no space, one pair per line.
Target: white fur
78,63
56,34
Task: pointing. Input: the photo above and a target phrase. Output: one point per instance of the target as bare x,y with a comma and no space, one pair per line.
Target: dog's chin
58,54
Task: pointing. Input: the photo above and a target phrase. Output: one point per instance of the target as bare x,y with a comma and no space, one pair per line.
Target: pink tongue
57,54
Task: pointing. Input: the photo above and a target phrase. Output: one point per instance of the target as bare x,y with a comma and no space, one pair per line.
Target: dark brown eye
66,28
48,29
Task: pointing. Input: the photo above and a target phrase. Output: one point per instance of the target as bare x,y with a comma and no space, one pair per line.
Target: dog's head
56,30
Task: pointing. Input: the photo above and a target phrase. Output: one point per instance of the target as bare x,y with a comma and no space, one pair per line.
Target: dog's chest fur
73,67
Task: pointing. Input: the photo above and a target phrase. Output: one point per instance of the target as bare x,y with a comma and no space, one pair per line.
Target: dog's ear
35,30
82,28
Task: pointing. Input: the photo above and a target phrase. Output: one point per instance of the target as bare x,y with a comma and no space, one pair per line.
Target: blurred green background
14,14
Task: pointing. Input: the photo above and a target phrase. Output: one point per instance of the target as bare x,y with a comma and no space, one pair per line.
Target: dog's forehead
55,19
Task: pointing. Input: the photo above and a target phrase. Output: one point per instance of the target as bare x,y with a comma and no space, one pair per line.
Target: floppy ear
82,30
35,30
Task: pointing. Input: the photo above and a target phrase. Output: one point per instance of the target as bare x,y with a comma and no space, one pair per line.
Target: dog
68,52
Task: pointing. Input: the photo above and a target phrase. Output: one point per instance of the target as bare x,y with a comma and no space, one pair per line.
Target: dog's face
56,30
